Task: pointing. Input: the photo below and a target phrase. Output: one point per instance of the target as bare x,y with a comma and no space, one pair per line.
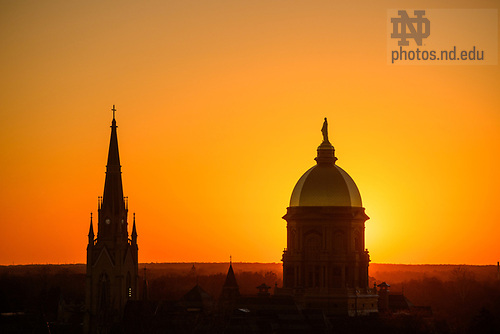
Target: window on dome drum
313,277
289,275
324,277
336,277
316,276
349,275
357,242
337,271
291,243
338,242
313,245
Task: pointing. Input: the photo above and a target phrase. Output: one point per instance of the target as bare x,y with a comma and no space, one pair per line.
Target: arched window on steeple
103,296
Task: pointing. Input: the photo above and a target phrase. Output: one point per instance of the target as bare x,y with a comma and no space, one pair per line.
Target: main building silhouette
325,264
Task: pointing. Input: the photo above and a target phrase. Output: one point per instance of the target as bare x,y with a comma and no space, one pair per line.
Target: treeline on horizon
390,273
463,297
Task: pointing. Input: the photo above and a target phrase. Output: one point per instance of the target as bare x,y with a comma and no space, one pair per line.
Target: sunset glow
219,111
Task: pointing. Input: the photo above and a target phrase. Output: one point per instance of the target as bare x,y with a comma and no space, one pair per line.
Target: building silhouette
325,264
112,264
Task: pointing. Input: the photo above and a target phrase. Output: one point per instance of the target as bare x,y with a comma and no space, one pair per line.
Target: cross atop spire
113,109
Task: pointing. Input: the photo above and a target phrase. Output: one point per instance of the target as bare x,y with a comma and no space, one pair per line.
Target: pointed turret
230,278
134,234
91,232
230,289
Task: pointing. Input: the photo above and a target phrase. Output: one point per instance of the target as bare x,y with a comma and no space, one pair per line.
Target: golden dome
326,184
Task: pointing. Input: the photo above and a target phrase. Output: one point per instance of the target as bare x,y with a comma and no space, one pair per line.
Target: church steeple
113,188
112,258
113,210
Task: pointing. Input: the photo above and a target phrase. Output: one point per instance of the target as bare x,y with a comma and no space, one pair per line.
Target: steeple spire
112,198
113,155
113,211
326,151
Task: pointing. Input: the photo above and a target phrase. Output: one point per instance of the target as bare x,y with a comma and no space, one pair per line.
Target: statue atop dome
324,130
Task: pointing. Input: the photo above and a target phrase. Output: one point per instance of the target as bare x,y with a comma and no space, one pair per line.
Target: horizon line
247,262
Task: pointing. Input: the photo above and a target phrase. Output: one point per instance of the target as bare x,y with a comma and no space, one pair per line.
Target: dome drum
335,213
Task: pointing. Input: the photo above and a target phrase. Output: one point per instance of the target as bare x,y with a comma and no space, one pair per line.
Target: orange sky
220,106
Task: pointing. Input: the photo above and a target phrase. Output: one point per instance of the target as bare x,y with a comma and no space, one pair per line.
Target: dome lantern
326,151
